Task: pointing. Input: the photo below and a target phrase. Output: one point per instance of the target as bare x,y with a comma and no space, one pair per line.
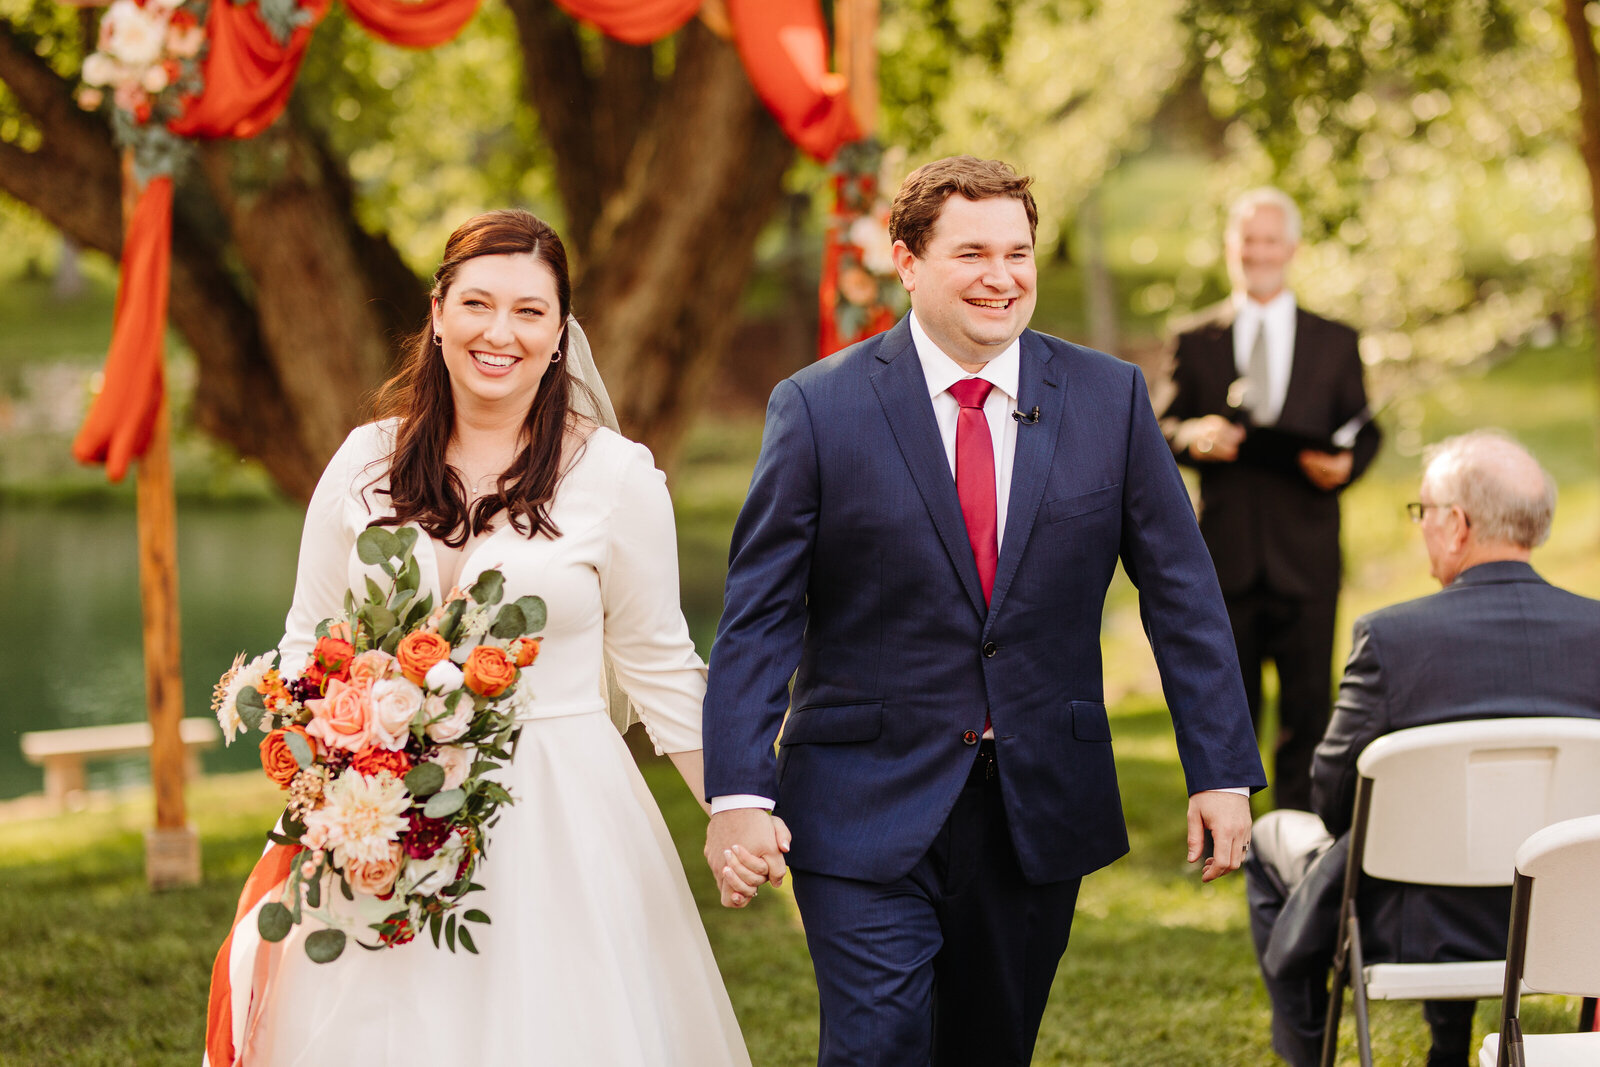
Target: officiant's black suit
1273,535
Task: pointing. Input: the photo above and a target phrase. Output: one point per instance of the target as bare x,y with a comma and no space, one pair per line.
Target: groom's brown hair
922,195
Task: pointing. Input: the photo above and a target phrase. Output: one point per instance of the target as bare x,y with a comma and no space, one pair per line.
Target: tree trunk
295,313
1588,73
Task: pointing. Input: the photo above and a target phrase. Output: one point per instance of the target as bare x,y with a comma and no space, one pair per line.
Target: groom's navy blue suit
851,562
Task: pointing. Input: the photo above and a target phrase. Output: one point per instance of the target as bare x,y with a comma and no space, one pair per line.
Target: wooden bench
63,753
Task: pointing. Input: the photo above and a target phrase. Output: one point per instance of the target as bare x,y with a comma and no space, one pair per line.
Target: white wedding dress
596,955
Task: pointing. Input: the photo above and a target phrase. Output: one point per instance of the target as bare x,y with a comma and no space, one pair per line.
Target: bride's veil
595,403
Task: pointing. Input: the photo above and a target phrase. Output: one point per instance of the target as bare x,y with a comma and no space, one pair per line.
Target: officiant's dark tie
975,478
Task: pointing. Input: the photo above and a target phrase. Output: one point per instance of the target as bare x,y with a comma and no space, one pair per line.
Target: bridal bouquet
386,743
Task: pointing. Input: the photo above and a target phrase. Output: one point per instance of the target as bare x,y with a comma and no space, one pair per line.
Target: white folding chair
1448,805
1554,944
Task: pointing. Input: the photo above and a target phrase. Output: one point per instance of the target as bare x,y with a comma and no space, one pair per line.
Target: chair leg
1330,1027
1358,993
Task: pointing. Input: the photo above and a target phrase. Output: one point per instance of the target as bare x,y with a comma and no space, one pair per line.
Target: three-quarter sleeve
326,541
646,635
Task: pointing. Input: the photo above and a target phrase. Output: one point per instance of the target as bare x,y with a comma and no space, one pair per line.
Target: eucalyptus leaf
325,946
299,748
435,924
250,706
509,623
419,611
473,915
450,932
452,620
424,779
466,939
391,641
274,921
379,617
374,591
349,609
442,804
488,588
412,576
534,613
322,627
407,536
314,893
375,545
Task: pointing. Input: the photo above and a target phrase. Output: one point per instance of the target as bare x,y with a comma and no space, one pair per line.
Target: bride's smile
498,326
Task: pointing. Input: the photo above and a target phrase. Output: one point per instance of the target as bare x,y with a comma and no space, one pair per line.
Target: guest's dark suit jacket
850,561
1262,521
1498,642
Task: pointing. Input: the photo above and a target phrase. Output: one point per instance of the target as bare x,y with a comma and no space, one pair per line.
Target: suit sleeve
1183,613
759,638
1352,401
1359,717
1182,405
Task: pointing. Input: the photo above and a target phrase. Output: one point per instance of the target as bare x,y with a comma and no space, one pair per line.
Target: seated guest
1497,641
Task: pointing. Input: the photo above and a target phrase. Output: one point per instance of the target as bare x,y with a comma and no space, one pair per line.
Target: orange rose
418,651
526,650
489,671
373,666
333,655
376,760
277,760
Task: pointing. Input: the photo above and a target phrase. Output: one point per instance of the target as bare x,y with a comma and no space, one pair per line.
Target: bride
495,447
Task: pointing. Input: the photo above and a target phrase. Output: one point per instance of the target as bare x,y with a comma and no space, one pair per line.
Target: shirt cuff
739,800
1236,790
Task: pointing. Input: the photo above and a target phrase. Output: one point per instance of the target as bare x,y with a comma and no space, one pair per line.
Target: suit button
989,649
970,737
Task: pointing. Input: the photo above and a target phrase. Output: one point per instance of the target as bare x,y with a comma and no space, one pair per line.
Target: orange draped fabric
784,47
248,73
423,24
632,21
117,429
269,875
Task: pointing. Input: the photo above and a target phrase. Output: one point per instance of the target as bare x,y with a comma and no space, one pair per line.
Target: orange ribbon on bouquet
233,1008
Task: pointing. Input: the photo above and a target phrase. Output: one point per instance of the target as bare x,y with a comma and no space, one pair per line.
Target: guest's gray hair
1266,196
1507,496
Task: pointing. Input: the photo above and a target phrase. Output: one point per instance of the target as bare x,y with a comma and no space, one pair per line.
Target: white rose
395,702
99,69
443,677
453,724
155,79
135,36
437,871
457,763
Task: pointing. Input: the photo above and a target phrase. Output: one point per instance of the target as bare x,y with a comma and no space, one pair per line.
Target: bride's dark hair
423,488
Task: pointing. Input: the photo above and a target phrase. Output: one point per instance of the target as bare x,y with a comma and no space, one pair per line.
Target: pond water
70,635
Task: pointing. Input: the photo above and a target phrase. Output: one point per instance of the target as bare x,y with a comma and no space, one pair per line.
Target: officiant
1271,408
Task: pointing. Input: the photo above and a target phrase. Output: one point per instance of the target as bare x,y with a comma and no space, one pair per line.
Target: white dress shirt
1277,317
941,372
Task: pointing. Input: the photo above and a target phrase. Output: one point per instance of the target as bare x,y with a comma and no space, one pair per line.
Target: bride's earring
555,357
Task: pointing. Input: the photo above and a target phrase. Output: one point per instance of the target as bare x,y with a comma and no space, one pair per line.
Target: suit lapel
1302,368
903,391
1040,384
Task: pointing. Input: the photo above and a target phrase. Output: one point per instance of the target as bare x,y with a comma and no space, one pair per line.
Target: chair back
1451,802
1563,945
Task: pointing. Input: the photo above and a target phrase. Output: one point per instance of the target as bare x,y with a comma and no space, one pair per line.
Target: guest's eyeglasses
1416,509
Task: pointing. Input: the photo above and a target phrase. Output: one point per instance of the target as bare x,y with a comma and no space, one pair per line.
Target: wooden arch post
172,845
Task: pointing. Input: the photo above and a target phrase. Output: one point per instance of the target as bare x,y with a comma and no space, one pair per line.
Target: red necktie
975,478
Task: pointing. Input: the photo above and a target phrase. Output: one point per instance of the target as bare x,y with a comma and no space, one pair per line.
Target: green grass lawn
99,971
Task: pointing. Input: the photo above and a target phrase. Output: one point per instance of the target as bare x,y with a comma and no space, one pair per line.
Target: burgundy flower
425,836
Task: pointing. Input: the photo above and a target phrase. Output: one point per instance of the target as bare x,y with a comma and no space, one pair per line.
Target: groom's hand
1227,816
745,846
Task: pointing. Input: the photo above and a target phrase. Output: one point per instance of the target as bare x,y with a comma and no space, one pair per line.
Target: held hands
1212,439
744,848
1326,470
1227,816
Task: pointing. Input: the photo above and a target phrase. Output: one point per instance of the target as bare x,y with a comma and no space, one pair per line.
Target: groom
925,549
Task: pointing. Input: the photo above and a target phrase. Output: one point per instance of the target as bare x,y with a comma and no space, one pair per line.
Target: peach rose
418,651
395,702
444,724
456,761
375,877
525,650
489,671
343,718
371,666
276,758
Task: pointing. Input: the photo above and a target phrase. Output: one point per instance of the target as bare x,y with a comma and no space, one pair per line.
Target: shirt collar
1003,371
1275,310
